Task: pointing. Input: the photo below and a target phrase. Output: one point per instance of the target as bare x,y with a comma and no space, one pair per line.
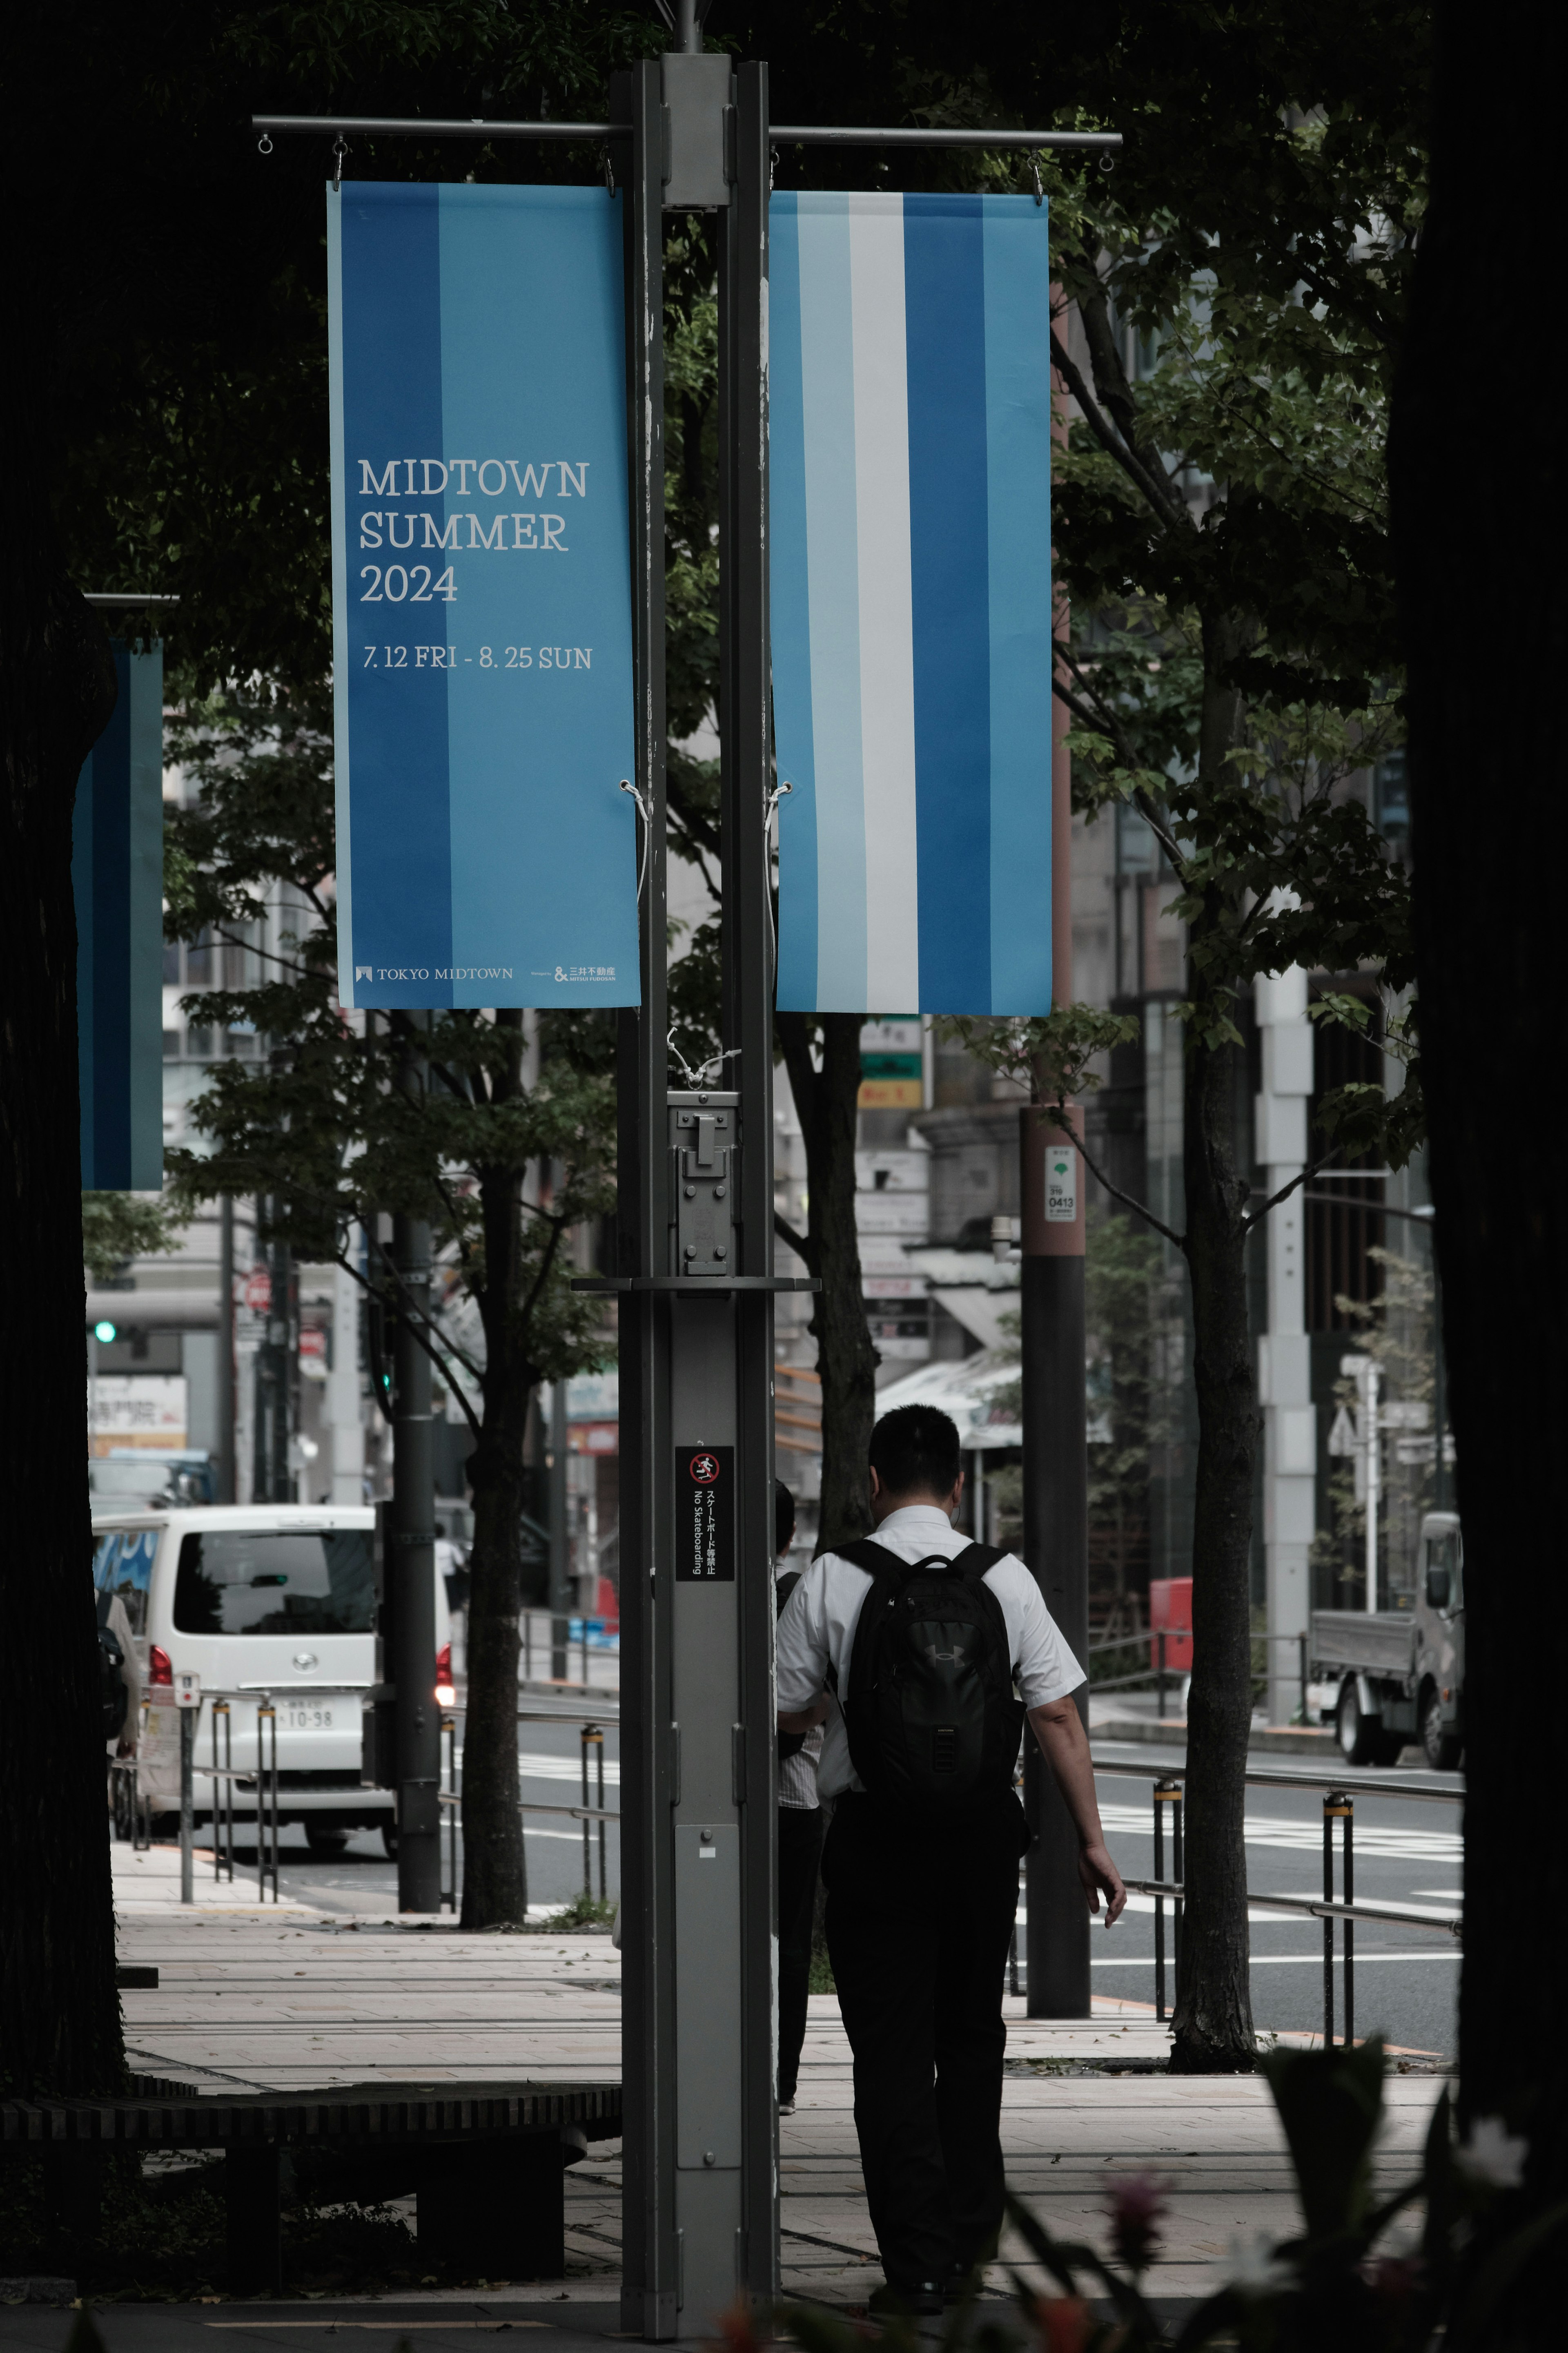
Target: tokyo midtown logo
363,972
704,1468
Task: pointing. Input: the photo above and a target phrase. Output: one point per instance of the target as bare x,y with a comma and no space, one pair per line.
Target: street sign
1061,1185
481,596
257,1291
910,454
187,1687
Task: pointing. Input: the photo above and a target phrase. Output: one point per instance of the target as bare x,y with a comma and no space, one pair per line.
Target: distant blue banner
911,601
481,597
117,878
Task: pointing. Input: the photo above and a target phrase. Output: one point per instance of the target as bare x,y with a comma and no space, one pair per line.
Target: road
1406,1981
549,1765
1406,1851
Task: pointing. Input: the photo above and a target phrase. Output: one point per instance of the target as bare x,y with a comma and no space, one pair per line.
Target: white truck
1387,1677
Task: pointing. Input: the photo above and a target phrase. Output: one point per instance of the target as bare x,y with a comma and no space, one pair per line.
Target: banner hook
609,170
1035,168
340,149
264,144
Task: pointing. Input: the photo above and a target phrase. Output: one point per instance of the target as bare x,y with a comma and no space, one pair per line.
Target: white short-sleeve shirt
817,1630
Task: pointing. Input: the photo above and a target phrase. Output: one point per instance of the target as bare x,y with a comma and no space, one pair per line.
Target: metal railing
1159,1673
591,1738
1339,1806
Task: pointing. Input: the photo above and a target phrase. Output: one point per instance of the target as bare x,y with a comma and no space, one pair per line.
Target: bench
486,2160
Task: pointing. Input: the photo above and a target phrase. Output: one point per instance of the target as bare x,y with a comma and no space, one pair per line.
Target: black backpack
933,1718
113,1698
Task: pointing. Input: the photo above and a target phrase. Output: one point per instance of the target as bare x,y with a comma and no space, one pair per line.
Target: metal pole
1178,1871
187,1805
224,1480
1373,1483
1328,1807
411,1569
1160,1677
583,1740
1301,1639
1055,1521
1348,1882
1439,1387
650,2275
1160,1790
560,1552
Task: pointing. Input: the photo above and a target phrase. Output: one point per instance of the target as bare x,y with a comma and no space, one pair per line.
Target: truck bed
1383,1642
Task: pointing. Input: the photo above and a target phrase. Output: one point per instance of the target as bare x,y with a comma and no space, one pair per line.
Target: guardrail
1339,1805
592,1748
1159,1675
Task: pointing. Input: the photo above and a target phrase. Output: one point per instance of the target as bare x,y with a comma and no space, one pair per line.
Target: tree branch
436,1359
1105,433
416,1314
797,1242
1255,1217
1115,1191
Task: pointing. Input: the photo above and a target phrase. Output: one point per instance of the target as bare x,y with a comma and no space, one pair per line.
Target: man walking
800,1842
934,1649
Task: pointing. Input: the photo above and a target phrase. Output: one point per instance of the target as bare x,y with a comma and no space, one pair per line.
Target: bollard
449,1813
1337,1807
267,1800
1160,1680
1166,1793
222,1792
187,1806
592,1739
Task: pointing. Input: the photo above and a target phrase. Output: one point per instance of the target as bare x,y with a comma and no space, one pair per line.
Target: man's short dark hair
784,1517
915,1450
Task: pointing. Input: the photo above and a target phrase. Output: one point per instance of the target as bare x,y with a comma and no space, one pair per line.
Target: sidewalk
295,1997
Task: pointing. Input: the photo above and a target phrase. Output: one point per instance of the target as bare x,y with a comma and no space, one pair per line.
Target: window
1443,1571
123,1565
171,964
305,1581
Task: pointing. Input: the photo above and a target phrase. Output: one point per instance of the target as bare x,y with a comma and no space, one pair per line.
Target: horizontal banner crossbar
816,134
791,134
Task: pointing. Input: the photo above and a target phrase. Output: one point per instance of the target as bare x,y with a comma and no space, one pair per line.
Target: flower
1492,2155
1255,2268
1063,2323
1136,2205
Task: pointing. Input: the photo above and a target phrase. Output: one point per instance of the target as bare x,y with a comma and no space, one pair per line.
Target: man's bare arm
804,1719
1059,1730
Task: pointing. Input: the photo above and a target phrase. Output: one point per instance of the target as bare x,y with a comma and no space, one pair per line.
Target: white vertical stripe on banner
827,379
887,649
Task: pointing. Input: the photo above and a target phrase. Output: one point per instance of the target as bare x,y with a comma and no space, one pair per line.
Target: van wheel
389,1840
1442,1742
1359,1735
325,1837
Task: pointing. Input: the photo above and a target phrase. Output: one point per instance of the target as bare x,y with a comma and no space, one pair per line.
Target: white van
275,1599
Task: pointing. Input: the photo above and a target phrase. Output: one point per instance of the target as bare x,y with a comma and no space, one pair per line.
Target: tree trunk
1214,2002
1490,808
828,1102
495,1867
59,2013
1213,2021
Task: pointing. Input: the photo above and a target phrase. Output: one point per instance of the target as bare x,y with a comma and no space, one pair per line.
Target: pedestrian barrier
1339,1806
1159,1675
592,1739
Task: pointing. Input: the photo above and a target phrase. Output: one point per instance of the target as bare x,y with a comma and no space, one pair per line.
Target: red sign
704,1468
257,1291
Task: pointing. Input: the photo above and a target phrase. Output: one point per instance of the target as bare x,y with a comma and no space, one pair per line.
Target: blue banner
910,390
481,597
117,878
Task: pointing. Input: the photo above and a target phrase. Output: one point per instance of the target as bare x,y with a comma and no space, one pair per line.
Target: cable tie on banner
646,816
264,144
777,795
1035,168
698,1078
772,165
340,149
609,169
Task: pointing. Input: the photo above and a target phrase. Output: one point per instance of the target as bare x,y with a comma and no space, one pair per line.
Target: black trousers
918,1923
800,1851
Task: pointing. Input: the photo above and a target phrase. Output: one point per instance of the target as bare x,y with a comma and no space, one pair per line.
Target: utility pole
560,1539
225,1467
1056,1448
272,1481
411,1558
